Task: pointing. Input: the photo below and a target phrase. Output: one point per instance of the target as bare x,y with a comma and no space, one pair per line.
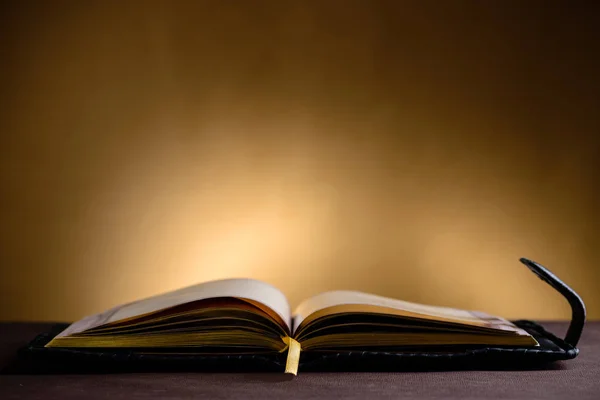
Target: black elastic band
577,306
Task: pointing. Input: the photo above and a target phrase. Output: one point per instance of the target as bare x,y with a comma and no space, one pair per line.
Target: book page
246,289
343,301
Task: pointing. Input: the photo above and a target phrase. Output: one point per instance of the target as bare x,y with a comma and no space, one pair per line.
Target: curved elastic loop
577,306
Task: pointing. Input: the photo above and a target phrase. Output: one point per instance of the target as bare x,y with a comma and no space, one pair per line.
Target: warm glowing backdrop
408,149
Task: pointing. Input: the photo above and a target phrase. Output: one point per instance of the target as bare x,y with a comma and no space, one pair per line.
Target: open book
244,316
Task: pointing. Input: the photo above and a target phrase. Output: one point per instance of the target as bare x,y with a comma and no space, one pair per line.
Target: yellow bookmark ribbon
293,356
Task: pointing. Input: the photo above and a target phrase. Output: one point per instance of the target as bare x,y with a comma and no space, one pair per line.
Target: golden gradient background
409,149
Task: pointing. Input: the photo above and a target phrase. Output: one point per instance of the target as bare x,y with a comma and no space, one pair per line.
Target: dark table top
578,378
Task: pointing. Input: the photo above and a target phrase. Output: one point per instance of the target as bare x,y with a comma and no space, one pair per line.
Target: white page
346,297
241,288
